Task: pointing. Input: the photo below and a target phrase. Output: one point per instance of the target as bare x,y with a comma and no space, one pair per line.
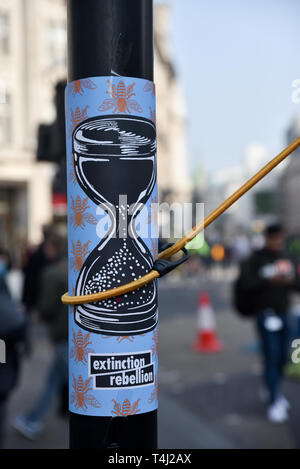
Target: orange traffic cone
207,340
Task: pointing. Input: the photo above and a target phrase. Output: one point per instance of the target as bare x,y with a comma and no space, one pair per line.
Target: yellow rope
73,300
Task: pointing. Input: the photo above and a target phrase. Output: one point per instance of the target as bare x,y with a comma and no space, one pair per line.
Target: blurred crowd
265,280
45,280
266,272
214,254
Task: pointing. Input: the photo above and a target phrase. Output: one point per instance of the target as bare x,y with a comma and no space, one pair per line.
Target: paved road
206,401
221,390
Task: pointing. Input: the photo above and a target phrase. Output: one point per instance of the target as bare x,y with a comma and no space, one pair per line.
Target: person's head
55,247
48,231
275,237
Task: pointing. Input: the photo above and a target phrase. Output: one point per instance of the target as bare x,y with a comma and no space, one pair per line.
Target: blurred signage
59,204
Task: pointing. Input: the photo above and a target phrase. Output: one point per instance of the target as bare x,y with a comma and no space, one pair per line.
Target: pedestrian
38,260
55,314
12,335
266,280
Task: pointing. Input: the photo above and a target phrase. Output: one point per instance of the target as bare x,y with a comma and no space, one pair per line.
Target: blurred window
5,120
56,42
4,33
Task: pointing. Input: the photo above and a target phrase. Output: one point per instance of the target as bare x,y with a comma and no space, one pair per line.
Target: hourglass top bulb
109,152
115,136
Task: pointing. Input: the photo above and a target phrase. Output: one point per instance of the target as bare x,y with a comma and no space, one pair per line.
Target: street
206,400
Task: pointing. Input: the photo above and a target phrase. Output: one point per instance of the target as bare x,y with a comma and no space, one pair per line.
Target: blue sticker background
86,99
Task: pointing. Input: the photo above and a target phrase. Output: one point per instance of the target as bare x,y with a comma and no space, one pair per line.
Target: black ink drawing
123,147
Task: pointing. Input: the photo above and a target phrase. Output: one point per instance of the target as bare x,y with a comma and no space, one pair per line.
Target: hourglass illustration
113,157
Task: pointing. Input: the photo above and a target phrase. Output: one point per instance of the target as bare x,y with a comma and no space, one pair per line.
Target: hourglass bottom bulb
122,264
135,312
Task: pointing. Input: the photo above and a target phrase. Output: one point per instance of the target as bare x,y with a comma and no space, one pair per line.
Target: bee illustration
79,396
79,215
149,86
120,98
120,338
79,252
80,348
126,408
77,116
154,395
154,248
77,87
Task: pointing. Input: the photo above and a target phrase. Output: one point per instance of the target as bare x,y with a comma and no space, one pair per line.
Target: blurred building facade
290,185
33,60
261,205
258,207
173,180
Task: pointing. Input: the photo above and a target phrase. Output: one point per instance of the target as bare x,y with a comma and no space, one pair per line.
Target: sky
236,60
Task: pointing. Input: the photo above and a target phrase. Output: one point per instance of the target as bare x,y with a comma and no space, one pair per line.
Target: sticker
122,370
113,239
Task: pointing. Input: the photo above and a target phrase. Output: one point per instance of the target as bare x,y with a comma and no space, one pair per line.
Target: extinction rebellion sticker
121,370
111,155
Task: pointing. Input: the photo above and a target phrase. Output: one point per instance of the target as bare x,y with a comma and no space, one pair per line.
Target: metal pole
111,154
